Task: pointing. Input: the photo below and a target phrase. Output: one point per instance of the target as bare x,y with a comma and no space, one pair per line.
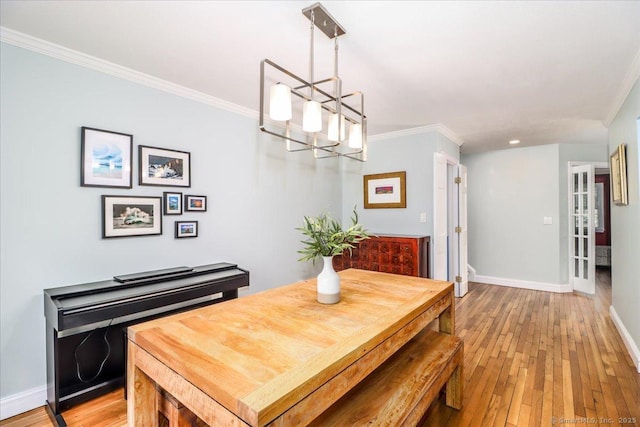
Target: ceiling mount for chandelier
317,116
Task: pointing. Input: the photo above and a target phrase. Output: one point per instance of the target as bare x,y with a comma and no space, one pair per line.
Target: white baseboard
472,273
524,284
632,347
23,402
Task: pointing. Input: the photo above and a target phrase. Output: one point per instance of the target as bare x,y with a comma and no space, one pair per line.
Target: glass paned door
582,229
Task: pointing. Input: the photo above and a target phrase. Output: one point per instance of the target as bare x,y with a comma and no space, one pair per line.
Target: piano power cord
75,354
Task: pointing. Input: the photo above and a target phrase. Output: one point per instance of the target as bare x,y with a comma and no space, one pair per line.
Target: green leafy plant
325,236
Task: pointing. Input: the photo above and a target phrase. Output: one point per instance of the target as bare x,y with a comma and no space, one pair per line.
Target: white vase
328,283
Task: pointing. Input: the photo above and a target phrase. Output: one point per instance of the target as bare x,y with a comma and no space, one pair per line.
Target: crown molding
633,74
440,128
53,50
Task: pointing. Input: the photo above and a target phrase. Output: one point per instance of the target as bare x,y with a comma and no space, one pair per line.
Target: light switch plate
423,217
547,220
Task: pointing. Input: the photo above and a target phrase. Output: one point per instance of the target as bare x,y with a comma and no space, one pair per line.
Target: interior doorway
450,223
587,215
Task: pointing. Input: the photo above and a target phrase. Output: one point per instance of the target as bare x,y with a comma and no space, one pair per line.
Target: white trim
632,347
524,284
633,73
23,402
440,128
78,58
472,273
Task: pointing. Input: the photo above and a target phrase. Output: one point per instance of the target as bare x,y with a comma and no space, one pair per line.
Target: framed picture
105,158
186,229
172,203
385,190
160,166
619,176
131,216
195,203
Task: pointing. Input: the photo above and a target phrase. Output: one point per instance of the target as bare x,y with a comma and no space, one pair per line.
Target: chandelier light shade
298,106
312,116
336,129
355,136
280,102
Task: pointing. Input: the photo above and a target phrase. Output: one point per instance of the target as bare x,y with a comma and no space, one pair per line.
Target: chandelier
317,116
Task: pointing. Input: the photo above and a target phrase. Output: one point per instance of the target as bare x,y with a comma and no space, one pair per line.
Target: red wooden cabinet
408,255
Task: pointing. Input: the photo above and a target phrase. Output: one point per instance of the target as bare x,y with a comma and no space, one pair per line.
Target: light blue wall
50,226
625,220
509,193
412,154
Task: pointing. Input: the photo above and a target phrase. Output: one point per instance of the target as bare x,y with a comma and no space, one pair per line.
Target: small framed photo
195,203
105,158
172,203
164,167
385,190
186,229
131,216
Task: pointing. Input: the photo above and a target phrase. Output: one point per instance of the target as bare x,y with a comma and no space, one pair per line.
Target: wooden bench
401,390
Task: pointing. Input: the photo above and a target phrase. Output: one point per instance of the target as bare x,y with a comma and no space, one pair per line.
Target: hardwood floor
530,358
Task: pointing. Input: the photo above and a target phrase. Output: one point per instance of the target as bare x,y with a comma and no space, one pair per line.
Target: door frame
439,216
570,164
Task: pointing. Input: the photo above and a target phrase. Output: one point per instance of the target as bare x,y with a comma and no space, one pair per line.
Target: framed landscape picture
172,203
164,167
619,176
186,229
385,190
105,158
195,203
131,216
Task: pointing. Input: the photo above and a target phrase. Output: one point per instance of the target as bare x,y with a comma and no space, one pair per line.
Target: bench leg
454,389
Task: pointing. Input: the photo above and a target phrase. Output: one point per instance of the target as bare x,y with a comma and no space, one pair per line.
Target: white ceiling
542,71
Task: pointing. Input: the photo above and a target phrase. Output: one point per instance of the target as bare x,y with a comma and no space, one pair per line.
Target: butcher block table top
279,357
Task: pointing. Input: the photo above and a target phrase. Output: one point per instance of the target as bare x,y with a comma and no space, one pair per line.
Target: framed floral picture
105,158
172,203
195,203
185,229
124,216
163,167
385,190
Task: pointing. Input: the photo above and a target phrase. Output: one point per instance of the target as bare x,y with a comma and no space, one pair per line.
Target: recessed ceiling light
514,141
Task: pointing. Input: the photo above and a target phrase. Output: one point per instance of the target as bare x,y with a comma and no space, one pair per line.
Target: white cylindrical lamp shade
336,127
312,116
280,102
355,136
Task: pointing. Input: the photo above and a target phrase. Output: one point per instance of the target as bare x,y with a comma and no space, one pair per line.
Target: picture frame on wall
128,216
385,190
105,158
186,229
172,203
618,165
163,167
195,203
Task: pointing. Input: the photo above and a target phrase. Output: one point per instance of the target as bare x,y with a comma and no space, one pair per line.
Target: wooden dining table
278,357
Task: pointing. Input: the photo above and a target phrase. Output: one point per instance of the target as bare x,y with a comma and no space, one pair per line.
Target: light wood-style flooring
531,358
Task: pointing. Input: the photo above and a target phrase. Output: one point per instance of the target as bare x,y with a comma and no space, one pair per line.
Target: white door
462,275
581,234
439,244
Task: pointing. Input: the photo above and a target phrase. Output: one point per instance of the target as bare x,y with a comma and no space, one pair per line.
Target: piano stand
86,325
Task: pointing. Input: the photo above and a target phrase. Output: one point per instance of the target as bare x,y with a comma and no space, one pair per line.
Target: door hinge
457,180
458,279
458,230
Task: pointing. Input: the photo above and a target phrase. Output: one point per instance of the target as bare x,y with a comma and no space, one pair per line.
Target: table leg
142,410
447,318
